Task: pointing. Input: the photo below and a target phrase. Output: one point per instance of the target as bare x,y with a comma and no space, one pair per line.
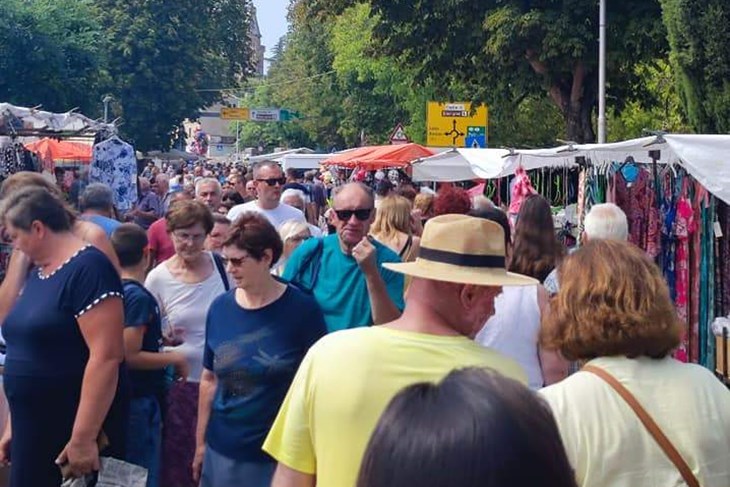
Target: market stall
372,158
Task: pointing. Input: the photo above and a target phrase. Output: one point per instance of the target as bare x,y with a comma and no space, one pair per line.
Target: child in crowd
142,341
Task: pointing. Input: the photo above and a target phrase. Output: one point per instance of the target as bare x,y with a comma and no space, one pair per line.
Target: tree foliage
51,54
699,35
506,50
167,58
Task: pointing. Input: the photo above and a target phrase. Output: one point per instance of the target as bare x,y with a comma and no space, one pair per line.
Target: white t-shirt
186,307
609,446
277,216
514,330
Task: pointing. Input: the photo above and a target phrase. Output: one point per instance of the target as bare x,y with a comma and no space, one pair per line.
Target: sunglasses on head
361,214
273,181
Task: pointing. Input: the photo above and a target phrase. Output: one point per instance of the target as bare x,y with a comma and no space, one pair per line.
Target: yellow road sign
235,113
451,125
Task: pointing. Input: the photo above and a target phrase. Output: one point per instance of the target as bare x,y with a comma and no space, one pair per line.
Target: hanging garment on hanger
115,164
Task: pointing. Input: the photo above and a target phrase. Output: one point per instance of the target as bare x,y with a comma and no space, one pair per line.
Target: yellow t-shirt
344,384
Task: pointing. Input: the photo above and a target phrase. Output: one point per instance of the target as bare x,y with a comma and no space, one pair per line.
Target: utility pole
602,72
106,101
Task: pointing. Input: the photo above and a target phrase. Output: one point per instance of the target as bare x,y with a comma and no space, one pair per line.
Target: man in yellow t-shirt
348,377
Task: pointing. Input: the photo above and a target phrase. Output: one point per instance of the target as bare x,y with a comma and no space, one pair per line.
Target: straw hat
465,250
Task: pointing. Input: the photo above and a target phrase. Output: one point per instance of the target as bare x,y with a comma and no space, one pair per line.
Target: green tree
167,60
501,51
51,55
699,36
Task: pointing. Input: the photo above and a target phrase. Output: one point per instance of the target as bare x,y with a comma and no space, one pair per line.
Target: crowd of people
260,327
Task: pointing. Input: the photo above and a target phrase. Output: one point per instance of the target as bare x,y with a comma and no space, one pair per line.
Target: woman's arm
13,282
208,385
102,328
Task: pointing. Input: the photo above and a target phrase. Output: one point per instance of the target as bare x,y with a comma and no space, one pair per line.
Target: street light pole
106,100
602,72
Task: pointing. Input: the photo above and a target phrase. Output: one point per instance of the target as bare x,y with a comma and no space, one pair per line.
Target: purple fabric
178,435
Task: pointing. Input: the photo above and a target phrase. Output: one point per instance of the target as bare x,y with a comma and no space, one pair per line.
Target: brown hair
537,250
612,301
393,216
26,179
254,234
424,202
186,213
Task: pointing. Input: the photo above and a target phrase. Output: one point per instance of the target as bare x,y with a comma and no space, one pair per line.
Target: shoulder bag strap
649,423
221,270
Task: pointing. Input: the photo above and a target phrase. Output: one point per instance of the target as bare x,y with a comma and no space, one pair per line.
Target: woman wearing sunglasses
256,337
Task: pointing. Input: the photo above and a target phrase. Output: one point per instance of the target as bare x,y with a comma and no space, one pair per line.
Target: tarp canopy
22,121
172,155
378,156
52,151
278,156
705,157
303,161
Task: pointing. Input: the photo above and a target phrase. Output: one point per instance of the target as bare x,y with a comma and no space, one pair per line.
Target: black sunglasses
273,181
361,214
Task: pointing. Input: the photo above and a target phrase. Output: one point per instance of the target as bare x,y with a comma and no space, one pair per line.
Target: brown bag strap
649,423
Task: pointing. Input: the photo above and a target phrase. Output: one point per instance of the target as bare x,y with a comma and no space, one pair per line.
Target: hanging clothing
684,227
114,164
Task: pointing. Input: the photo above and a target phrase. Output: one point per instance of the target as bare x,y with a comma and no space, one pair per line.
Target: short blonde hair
392,216
612,301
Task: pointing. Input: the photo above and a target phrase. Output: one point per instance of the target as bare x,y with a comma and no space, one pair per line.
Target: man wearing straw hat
348,377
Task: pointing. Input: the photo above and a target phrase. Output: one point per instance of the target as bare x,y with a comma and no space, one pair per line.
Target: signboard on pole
453,125
235,113
398,136
265,115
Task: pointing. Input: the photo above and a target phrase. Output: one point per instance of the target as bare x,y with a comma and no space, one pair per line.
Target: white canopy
303,161
278,156
706,157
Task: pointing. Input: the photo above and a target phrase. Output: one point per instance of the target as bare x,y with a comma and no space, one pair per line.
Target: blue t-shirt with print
340,287
141,309
254,354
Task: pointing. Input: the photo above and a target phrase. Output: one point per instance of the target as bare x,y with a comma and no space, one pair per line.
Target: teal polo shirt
340,287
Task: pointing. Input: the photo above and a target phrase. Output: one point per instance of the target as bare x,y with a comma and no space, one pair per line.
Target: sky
272,21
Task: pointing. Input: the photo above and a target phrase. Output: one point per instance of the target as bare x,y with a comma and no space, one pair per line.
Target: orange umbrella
51,151
379,156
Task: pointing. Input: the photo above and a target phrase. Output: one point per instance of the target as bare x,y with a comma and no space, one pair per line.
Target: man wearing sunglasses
269,180
344,271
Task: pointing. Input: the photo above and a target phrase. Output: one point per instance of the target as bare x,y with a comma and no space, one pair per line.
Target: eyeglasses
273,181
235,262
361,214
186,237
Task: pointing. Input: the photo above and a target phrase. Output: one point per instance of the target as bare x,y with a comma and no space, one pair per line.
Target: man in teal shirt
344,271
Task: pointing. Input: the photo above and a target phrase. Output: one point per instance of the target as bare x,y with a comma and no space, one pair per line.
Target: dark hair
260,165
407,191
186,213
233,196
451,200
129,241
26,205
476,428
218,218
537,250
254,234
498,216
613,300
383,187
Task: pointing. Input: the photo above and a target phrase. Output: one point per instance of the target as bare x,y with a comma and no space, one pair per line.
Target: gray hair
291,228
260,165
96,196
363,187
606,221
481,202
203,181
26,205
287,193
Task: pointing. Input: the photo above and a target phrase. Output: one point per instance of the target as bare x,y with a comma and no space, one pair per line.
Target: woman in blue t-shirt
64,343
256,336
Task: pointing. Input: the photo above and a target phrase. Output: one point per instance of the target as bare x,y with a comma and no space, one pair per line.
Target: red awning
51,151
379,156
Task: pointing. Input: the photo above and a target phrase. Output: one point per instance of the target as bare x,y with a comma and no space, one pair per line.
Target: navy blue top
42,331
141,309
255,354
